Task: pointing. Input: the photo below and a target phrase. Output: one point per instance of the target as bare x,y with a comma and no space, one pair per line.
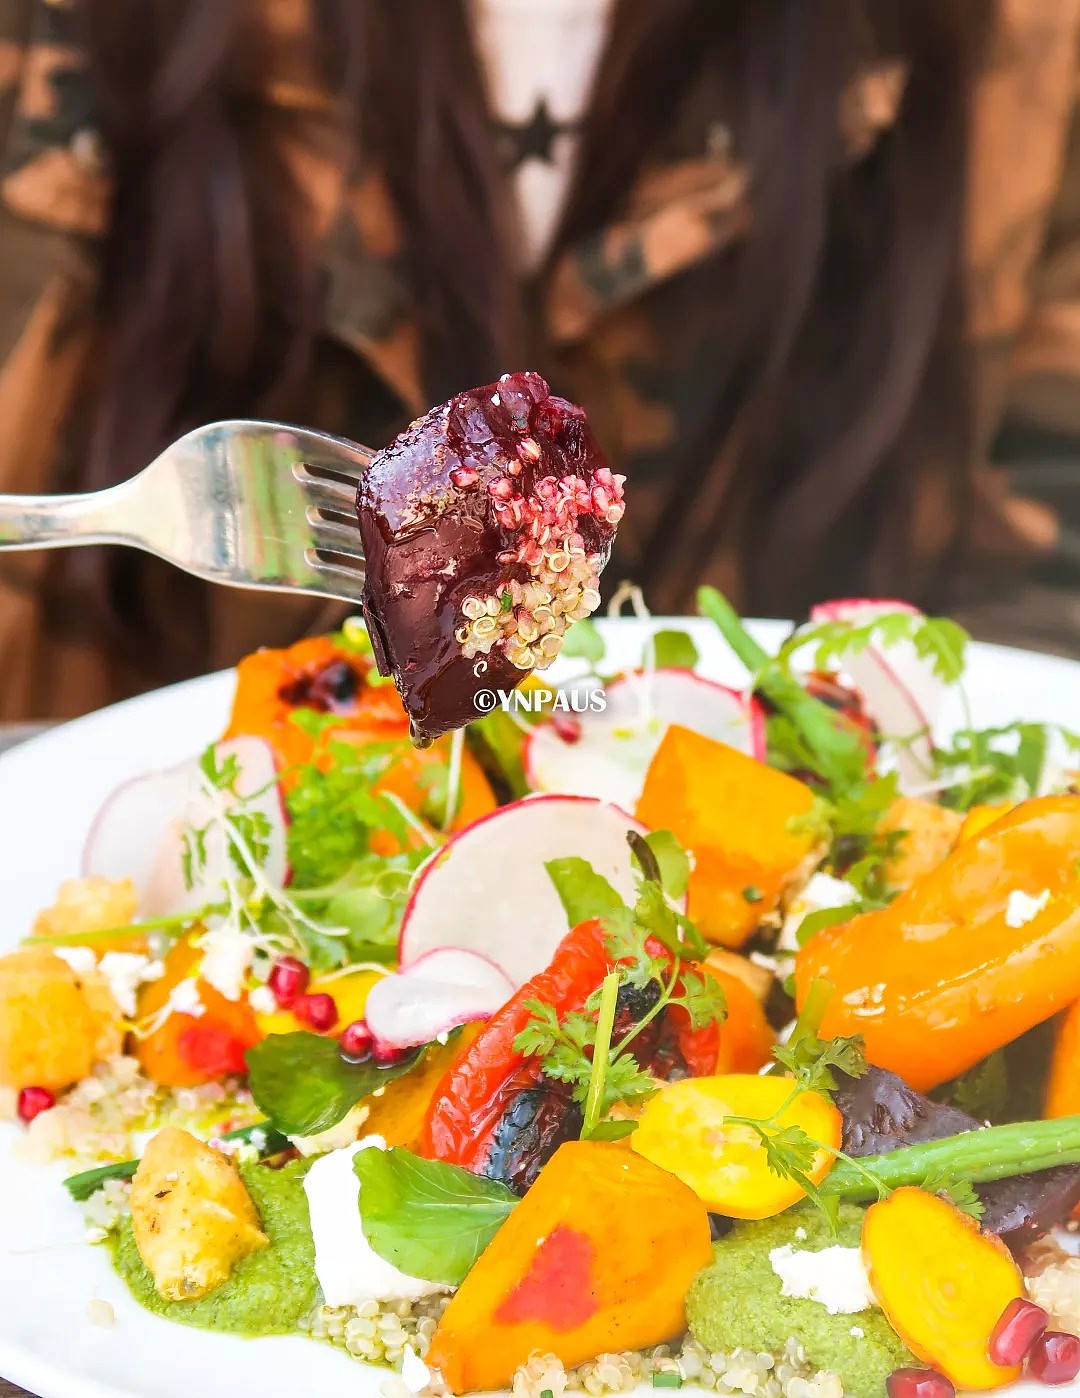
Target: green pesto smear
737,1301
269,1291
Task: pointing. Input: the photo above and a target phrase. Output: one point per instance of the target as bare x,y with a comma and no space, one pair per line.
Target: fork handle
58,521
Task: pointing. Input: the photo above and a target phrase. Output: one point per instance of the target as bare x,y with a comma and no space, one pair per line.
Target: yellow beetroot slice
942,1283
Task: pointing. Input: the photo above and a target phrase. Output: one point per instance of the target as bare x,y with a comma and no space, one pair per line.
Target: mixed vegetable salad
712,1036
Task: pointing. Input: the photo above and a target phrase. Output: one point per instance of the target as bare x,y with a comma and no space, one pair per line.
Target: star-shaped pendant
531,139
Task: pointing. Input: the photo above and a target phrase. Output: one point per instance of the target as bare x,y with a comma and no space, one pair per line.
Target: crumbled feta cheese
124,972
821,891
415,1374
226,958
857,1332
834,1277
343,1134
349,1271
1022,908
81,959
262,1000
184,999
800,1234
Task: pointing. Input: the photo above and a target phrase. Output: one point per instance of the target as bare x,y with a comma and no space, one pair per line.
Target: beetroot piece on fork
486,526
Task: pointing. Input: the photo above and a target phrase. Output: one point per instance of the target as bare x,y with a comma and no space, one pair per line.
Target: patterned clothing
616,311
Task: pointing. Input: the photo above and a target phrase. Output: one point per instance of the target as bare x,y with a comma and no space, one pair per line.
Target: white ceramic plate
49,790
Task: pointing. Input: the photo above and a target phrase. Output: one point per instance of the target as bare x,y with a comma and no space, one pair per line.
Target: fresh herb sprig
579,1048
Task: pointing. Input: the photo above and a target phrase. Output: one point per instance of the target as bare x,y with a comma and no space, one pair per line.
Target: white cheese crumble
857,1332
184,999
1022,908
124,972
415,1374
81,959
821,891
349,1271
227,953
834,1277
262,1000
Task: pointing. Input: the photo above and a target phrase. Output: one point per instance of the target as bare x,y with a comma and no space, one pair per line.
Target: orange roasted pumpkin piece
973,954
177,1049
942,1283
271,685
925,833
736,816
400,1110
746,1036
598,1256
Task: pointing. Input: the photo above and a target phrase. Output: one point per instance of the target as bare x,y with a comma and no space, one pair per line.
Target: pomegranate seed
288,978
318,1012
464,477
33,1101
567,726
1021,1324
1054,1358
356,1041
918,1383
384,1055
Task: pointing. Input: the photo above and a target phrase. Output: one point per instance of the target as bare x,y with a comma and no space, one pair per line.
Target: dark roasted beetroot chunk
486,525
882,1113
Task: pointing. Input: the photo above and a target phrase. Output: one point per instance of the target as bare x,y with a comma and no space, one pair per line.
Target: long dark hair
837,320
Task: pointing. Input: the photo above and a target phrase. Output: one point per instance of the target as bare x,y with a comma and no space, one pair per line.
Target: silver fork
246,504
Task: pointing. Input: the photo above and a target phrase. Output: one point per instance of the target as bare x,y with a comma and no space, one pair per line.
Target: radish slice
487,890
138,832
436,993
899,689
607,754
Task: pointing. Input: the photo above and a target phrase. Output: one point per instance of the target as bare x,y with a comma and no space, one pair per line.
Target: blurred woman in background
796,259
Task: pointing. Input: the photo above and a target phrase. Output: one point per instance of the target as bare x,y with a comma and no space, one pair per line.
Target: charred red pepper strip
469,1103
471,1098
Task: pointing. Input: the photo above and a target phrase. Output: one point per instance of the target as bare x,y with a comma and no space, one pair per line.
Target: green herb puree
737,1302
268,1291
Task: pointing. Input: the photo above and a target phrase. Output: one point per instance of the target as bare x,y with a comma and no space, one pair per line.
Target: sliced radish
438,992
609,753
139,832
899,689
487,890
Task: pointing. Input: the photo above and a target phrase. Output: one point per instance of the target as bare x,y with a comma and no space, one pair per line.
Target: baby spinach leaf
584,641
427,1218
582,891
304,1086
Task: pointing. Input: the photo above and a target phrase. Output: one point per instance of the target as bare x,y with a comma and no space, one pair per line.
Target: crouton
55,1024
929,834
92,905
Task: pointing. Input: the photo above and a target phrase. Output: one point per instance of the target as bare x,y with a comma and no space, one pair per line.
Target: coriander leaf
702,997
674,650
672,861
583,892
427,1218
303,1085
789,1151
810,1060
983,1091
959,1192
584,641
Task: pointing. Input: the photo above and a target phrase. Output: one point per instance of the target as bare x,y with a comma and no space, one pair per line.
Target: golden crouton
191,1215
54,1023
92,905
930,832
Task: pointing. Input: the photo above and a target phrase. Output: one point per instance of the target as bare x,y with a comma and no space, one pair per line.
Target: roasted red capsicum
477,1089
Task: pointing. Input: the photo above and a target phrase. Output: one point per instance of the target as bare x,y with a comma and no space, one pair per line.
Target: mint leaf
427,1218
674,650
303,1085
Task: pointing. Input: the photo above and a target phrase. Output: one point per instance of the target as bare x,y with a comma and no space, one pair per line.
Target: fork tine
325,494
345,580
332,537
